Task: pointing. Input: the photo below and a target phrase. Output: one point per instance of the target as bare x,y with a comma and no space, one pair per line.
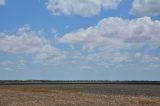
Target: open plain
80,95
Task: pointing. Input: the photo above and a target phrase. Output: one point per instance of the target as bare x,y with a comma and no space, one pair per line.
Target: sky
80,40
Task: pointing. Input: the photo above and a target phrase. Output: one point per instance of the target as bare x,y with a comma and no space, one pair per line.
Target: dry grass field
80,95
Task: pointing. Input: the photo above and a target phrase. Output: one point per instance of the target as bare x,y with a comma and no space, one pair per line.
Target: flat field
80,95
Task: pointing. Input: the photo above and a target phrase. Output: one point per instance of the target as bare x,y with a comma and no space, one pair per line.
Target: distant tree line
76,82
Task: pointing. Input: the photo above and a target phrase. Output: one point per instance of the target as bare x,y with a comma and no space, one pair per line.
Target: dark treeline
76,82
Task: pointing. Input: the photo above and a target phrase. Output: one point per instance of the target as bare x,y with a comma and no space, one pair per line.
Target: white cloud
30,43
118,57
114,41
147,58
80,7
150,62
6,65
2,2
21,63
146,7
116,33
16,65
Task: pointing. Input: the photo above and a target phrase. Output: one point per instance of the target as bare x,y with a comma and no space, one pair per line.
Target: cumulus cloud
29,42
146,7
114,41
2,2
83,8
116,33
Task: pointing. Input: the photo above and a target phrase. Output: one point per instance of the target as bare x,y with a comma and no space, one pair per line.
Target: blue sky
80,39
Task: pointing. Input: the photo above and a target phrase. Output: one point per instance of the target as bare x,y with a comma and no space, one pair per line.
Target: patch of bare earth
52,97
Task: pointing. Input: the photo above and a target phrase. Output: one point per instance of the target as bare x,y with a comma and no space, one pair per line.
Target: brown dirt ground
45,96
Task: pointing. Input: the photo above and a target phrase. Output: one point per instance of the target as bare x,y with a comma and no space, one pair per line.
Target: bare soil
80,95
